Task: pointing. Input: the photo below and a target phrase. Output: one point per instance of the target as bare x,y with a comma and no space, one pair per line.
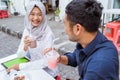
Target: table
8,58
37,75
31,75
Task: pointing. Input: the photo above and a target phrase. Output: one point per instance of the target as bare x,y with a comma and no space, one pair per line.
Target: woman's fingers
47,50
8,70
22,77
26,37
27,42
19,78
15,67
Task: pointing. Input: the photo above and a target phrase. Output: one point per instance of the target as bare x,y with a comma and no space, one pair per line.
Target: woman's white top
44,38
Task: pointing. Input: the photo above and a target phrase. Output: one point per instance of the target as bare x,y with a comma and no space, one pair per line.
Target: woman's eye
32,14
40,14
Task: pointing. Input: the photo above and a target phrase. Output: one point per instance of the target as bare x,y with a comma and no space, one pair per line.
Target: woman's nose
35,17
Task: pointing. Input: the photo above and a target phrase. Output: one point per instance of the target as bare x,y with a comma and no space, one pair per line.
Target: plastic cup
52,63
33,42
52,59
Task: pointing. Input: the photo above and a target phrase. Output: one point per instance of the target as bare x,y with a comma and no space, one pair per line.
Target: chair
58,77
3,14
111,30
6,14
0,14
117,41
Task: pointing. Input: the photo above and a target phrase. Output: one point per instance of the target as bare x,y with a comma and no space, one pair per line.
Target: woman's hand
48,50
15,67
27,43
19,78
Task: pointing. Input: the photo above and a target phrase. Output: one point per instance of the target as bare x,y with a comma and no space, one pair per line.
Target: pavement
11,31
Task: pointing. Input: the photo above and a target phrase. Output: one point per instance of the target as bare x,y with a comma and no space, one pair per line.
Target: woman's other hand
19,78
55,52
15,67
47,50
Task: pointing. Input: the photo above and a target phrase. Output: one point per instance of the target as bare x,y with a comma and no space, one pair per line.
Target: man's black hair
85,12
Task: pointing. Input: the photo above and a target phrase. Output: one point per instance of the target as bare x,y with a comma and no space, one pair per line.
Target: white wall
0,2
107,4
62,5
53,4
19,6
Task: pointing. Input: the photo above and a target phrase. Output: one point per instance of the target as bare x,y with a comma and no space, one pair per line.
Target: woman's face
35,17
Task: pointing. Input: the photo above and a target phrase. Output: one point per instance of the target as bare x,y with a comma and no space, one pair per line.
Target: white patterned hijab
38,31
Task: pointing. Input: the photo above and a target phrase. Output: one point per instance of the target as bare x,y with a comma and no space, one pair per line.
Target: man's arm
69,59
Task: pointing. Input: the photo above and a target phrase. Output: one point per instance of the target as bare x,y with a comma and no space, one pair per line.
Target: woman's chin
35,25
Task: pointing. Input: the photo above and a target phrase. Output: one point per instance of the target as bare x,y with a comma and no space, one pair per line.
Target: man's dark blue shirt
97,61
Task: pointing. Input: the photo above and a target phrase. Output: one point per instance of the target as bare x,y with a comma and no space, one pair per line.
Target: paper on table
4,75
37,75
1,68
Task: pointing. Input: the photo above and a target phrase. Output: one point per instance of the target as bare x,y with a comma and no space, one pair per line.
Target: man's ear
77,29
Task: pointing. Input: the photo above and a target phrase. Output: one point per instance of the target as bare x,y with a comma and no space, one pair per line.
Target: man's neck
87,38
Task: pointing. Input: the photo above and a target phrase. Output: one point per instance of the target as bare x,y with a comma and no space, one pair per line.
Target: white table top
31,75
37,75
8,58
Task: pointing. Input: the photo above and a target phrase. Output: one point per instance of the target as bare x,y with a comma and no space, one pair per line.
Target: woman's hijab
38,31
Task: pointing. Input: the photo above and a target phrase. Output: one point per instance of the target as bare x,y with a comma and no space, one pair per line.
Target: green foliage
57,12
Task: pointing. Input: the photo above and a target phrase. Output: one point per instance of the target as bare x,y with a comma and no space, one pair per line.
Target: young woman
37,36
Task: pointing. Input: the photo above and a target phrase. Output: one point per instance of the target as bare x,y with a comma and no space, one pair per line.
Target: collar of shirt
88,50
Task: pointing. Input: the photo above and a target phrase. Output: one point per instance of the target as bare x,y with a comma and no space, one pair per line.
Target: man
95,56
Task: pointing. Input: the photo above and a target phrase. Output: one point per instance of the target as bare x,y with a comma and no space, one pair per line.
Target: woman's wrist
25,48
